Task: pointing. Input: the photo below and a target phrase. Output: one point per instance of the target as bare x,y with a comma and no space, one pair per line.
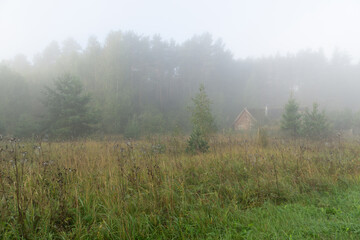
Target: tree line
137,85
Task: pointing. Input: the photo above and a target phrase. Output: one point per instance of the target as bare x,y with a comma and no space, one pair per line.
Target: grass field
153,189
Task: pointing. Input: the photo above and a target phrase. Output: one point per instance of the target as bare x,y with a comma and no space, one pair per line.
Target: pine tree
69,114
291,118
315,123
201,116
203,123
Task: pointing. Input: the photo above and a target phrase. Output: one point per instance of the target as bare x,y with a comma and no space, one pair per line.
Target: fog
141,62
253,28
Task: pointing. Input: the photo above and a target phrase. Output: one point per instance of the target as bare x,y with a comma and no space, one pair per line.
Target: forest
182,119
137,85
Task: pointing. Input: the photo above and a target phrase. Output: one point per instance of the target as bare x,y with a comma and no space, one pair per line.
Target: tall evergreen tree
291,118
69,114
203,122
201,116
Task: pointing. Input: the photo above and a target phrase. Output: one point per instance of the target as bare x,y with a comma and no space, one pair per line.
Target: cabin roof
244,111
259,114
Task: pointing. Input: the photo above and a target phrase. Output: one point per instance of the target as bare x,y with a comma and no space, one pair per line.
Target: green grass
153,189
332,215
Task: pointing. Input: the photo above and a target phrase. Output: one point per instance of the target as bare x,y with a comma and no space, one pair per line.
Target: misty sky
252,28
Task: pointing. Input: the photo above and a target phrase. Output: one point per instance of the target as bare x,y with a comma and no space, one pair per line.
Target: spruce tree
69,113
291,118
315,123
201,116
202,121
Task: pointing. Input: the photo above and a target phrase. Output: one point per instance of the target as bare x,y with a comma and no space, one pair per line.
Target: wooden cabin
244,121
250,118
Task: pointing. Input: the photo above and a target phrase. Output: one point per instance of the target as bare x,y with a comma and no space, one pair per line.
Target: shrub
262,137
197,142
132,129
315,123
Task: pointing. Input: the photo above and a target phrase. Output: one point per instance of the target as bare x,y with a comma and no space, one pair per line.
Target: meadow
153,189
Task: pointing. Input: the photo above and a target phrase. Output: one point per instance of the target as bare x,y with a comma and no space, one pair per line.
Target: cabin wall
244,122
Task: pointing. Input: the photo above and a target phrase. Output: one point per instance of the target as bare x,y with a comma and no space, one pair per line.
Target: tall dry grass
153,189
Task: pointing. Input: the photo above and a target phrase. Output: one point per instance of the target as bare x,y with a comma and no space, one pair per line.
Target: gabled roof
260,116
243,112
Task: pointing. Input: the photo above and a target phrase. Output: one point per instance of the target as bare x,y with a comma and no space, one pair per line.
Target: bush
262,137
197,142
132,129
151,121
26,126
2,127
315,123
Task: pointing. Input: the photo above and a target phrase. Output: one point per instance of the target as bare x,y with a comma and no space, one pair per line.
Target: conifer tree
203,122
291,118
201,116
69,114
315,123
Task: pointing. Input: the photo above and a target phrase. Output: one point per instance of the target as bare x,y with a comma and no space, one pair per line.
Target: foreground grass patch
154,190
319,216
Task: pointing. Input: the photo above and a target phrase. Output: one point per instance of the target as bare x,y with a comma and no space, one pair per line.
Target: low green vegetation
315,124
309,124
153,189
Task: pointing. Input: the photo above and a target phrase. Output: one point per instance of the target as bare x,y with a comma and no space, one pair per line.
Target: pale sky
249,28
